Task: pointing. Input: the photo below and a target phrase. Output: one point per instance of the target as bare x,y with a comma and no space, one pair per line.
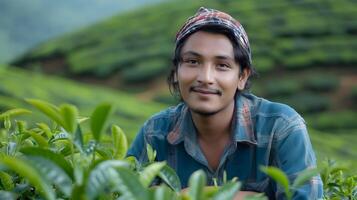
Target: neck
216,127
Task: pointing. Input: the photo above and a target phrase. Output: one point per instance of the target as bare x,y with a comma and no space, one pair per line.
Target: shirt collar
243,127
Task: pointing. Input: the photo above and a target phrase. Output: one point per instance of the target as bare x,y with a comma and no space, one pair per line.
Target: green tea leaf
227,192
150,172
52,173
104,151
169,176
21,126
114,175
196,184
48,109
78,139
304,176
40,140
78,193
103,176
151,153
129,185
6,181
69,115
50,155
278,176
7,122
46,129
30,173
162,192
14,112
98,118
120,142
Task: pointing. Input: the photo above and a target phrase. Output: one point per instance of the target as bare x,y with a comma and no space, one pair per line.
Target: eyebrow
221,57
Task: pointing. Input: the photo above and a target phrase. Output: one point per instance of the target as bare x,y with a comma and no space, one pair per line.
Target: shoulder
261,107
273,118
163,121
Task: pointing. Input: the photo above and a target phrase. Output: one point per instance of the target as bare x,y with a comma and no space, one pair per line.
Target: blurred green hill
304,50
18,84
25,23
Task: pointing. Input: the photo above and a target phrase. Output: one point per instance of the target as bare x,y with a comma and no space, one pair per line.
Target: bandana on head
206,16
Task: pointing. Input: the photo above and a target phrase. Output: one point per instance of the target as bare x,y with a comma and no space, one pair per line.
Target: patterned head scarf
206,16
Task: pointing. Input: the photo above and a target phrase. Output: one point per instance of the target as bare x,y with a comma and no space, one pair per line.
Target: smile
205,91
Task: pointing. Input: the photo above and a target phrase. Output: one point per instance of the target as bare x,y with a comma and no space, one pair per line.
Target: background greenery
24,23
304,50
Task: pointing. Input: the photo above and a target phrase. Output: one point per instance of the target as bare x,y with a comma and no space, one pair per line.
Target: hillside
17,85
27,23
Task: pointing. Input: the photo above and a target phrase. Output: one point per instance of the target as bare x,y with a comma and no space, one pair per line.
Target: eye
190,61
223,66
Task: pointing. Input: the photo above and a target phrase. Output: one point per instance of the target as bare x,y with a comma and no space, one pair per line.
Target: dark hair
240,56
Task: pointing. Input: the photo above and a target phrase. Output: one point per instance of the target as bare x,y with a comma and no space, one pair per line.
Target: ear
242,79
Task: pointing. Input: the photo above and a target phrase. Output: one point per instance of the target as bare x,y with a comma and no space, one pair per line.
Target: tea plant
280,178
63,161
75,158
337,183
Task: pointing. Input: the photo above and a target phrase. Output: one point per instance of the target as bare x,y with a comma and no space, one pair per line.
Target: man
219,126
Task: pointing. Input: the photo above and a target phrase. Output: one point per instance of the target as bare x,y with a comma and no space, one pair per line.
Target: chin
204,111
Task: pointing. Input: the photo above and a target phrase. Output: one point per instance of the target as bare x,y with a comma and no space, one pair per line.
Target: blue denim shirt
264,133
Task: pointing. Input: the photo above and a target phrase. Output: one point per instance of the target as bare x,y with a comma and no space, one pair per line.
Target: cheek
185,75
230,83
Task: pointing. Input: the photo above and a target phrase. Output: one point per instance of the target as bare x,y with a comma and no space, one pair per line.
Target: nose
206,74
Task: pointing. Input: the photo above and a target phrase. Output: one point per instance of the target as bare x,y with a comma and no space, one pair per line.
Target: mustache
207,90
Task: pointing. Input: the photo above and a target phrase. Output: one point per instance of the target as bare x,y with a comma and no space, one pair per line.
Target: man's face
208,75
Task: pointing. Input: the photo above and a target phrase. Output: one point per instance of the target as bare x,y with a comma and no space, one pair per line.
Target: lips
205,90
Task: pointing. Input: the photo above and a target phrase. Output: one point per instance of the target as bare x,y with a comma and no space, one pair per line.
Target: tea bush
66,160
353,94
306,102
321,83
342,120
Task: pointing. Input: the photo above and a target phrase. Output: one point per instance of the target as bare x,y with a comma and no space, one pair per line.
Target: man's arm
294,154
138,147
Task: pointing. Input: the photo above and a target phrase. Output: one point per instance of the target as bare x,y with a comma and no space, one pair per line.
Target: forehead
208,44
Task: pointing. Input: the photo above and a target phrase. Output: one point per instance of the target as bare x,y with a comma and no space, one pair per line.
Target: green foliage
150,172
338,184
151,153
98,117
24,169
284,87
120,142
227,191
63,165
196,183
353,94
321,83
278,176
14,112
58,164
169,176
145,71
127,110
327,121
306,102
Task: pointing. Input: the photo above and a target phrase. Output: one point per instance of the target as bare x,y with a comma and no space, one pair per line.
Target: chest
243,163
213,153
